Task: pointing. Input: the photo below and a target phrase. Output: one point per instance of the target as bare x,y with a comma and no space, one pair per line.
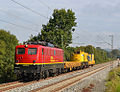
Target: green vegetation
7,50
100,54
59,28
115,53
113,82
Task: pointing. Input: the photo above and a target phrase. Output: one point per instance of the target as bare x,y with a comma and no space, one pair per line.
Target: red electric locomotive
38,60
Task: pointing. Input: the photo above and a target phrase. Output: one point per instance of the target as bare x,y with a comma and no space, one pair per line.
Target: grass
118,88
113,81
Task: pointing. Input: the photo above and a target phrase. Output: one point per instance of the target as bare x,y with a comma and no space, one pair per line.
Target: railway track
52,84
8,85
58,86
16,84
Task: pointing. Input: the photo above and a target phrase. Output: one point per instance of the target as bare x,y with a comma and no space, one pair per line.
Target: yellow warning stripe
53,60
36,63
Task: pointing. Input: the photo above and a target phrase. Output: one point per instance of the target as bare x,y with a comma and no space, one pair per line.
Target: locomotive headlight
17,61
34,61
26,46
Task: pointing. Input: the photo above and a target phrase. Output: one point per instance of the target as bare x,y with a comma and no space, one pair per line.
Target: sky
96,19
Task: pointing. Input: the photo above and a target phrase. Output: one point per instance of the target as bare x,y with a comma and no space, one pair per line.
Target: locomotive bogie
39,71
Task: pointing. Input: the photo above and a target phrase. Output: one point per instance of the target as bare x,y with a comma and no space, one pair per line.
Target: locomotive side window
42,51
54,52
21,51
32,51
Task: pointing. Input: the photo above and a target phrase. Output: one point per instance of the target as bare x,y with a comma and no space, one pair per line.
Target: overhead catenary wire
20,26
35,12
28,21
44,4
78,37
104,41
75,38
79,43
29,9
77,34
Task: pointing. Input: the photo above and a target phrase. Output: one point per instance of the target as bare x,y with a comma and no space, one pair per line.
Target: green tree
59,28
7,51
100,55
68,52
90,49
115,53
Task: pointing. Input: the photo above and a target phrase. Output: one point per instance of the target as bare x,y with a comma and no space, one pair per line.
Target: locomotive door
43,57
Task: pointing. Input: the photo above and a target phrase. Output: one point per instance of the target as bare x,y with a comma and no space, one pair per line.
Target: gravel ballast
95,78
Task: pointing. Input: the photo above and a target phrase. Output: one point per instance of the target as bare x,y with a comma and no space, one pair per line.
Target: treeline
114,54
100,54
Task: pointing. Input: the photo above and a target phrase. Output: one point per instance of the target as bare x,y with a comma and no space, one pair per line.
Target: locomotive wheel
38,76
57,71
82,67
62,70
20,77
79,68
45,74
51,74
87,65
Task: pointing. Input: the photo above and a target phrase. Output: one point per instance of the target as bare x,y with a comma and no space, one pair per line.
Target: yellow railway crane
80,59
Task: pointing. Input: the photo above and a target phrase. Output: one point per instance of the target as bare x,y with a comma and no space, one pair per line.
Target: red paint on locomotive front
38,54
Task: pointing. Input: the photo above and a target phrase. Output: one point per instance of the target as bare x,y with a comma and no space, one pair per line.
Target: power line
78,43
29,9
45,4
83,29
77,34
104,41
75,38
19,17
18,25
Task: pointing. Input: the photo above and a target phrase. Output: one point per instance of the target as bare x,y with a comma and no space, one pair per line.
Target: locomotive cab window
78,52
21,51
32,51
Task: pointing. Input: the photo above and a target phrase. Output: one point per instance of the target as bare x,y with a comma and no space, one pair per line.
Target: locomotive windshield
21,51
32,51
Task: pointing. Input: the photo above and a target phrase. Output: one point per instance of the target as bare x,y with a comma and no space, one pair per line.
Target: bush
7,51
